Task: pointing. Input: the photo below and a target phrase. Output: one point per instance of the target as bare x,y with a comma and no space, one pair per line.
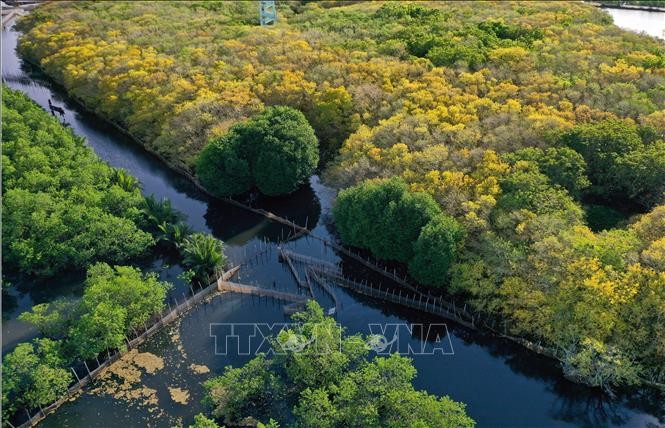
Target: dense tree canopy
623,160
115,301
276,151
436,249
33,374
414,73
63,208
332,383
384,217
509,117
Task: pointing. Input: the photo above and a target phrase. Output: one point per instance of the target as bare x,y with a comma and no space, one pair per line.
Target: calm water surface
501,383
651,23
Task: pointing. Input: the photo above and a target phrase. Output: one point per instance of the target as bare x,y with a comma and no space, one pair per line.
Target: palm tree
126,181
158,212
203,253
174,234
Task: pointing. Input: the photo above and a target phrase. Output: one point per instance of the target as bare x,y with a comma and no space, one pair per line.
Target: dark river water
501,383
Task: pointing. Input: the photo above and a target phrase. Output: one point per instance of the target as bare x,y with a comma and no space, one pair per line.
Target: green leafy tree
602,144
52,319
435,250
139,295
243,391
596,364
526,188
358,210
102,327
329,389
223,168
276,150
201,421
287,150
63,208
384,217
33,374
402,223
328,359
641,174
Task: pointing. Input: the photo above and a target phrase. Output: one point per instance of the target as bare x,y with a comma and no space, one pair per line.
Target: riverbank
627,6
483,372
466,319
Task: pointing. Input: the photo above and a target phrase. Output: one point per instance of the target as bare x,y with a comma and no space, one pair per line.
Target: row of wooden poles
320,269
171,313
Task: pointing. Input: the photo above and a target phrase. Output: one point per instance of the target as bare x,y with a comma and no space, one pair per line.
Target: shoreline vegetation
330,382
60,201
535,144
510,168
121,299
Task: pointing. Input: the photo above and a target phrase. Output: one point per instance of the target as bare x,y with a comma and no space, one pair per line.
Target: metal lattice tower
267,12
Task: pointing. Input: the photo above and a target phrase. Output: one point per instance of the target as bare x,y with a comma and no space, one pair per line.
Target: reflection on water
502,383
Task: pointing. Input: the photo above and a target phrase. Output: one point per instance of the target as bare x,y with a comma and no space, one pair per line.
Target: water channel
501,383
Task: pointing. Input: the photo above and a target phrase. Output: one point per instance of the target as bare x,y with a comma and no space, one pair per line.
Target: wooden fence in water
400,297
322,272
170,314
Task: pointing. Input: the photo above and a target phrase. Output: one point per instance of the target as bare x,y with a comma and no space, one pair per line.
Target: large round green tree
276,151
383,216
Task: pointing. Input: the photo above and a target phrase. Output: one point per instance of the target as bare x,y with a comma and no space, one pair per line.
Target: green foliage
173,234
200,421
276,150
242,391
33,374
329,389
619,162
359,210
563,166
330,355
63,208
222,167
115,301
139,295
100,328
160,213
286,150
271,424
127,182
384,217
525,188
203,254
641,174
52,319
379,393
435,250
